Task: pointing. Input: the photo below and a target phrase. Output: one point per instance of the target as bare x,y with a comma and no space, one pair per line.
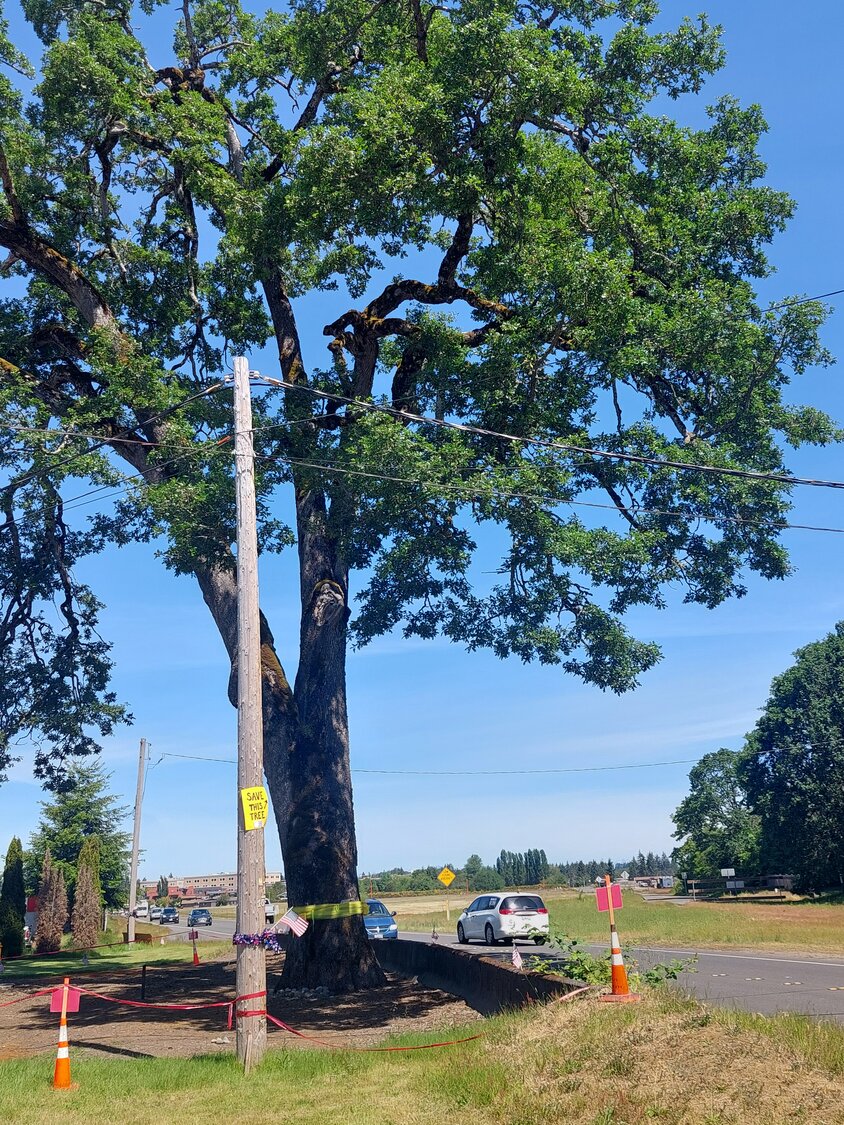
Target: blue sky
430,705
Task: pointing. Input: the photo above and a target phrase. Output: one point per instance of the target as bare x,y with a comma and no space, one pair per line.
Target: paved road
753,982
749,981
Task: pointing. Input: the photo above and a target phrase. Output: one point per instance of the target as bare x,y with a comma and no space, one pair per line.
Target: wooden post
136,843
251,976
608,885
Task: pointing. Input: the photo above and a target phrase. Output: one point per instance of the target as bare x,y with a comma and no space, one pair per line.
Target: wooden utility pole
251,1031
136,842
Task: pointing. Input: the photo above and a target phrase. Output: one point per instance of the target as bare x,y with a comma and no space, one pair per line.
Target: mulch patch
106,1029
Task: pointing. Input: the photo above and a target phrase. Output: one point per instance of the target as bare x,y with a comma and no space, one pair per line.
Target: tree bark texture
306,759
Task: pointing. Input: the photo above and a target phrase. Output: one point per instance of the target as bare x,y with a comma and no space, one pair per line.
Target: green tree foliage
714,824
472,866
518,239
793,767
162,890
84,810
485,879
86,917
12,901
522,869
52,908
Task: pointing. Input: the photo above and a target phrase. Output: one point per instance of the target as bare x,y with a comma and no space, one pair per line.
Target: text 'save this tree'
508,232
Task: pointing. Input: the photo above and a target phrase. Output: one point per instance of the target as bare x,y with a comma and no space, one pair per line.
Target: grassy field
791,925
111,956
581,1063
756,925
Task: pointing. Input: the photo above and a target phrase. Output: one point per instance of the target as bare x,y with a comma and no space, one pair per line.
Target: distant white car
503,917
154,913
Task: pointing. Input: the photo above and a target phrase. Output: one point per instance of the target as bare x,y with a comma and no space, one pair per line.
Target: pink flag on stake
294,922
516,958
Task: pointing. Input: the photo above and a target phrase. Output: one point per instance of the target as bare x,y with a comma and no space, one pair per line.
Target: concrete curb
489,986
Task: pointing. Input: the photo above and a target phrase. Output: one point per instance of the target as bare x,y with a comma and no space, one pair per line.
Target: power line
119,437
94,495
564,447
762,752
791,302
493,490
474,773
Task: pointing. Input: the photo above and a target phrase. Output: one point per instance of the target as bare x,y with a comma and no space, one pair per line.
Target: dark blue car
379,922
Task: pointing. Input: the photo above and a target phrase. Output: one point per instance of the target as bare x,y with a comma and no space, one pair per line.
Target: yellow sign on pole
256,806
446,877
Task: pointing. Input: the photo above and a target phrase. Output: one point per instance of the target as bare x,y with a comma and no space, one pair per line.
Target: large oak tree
513,235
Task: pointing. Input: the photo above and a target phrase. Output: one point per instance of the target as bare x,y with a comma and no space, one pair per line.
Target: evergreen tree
52,908
73,816
87,907
543,866
12,902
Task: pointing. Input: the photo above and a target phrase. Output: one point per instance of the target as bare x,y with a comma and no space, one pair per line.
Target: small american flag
516,958
294,922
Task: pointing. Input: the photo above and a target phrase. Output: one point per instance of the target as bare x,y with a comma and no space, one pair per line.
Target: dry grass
670,1060
666,1059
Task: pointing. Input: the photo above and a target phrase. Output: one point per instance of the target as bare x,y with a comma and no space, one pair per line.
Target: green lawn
582,1063
110,957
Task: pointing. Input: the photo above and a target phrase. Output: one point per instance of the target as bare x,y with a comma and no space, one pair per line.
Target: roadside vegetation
582,1063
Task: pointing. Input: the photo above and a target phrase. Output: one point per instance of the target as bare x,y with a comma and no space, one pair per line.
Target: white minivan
142,910
503,917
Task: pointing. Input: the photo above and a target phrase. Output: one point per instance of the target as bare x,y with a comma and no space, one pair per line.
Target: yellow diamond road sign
446,877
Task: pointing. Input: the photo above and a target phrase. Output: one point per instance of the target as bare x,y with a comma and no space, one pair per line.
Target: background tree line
777,805
514,869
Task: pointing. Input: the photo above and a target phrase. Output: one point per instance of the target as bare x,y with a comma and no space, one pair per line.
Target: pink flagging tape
157,1007
339,1047
29,996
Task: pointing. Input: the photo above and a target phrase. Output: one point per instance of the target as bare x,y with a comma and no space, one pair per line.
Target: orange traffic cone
195,954
620,988
61,1074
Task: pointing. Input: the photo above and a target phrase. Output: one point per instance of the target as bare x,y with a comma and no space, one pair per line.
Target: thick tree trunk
306,762
318,826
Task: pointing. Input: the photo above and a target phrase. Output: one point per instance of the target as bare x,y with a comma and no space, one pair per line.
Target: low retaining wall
488,986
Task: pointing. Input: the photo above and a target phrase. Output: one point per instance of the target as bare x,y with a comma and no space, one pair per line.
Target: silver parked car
503,917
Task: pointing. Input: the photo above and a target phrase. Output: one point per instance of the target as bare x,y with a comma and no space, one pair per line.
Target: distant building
201,886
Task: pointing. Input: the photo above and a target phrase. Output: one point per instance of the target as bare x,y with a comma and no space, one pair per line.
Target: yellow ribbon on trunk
322,911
